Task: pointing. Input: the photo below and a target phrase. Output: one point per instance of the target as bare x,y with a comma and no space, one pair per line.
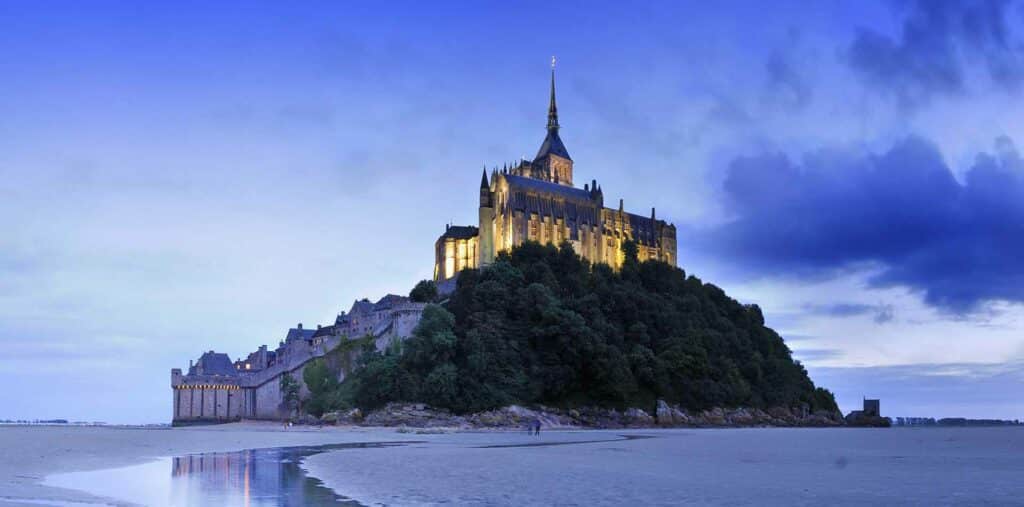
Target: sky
181,177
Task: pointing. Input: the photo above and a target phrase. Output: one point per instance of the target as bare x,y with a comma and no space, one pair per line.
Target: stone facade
215,389
537,201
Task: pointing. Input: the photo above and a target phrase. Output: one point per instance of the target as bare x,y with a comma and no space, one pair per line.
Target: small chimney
300,326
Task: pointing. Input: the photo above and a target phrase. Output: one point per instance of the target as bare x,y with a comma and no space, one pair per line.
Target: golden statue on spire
552,62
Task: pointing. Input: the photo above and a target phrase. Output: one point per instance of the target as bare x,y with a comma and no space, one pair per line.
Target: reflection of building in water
253,477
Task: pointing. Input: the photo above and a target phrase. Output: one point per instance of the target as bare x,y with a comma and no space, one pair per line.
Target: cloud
882,312
786,81
939,45
901,213
813,355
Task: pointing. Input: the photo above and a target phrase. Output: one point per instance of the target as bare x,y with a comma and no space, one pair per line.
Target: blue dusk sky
177,177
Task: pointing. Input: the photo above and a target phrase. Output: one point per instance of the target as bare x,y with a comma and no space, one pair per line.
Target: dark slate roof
552,145
551,199
461,232
390,300
547,187
295,334
644,229
361,306
216,363
324,331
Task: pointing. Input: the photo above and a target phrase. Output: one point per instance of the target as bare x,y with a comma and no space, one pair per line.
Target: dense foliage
424,292
542,325
289,391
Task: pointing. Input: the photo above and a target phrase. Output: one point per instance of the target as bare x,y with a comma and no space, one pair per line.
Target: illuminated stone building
536,200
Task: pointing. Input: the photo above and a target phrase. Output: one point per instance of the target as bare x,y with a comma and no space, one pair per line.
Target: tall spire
552,108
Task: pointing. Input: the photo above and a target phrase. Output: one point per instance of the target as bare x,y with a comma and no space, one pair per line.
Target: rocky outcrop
515,416
414,415
421,416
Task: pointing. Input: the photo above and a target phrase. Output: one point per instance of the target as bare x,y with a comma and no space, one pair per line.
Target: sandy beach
755,466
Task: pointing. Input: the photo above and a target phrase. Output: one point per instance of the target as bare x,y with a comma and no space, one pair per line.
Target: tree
424,292
543,325
322,385
289,392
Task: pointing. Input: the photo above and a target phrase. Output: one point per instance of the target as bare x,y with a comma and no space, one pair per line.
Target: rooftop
460,232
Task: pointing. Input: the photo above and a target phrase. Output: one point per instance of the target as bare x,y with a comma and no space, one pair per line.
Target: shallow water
952,466
254,477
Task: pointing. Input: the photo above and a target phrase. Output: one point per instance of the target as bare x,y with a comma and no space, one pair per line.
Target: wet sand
754,466
770,466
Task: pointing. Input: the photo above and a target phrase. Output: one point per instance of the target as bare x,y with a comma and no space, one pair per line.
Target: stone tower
486,243
553,159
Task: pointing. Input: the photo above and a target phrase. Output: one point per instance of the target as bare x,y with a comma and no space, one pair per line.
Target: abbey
537,201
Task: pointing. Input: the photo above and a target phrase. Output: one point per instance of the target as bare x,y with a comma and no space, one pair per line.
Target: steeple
552,146
483,180
552,108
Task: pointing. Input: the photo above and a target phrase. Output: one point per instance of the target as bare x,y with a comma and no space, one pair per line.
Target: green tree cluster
424,292
323,385
289,392
543,325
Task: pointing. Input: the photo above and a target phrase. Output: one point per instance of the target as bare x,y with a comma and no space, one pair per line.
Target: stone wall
243,394
207,402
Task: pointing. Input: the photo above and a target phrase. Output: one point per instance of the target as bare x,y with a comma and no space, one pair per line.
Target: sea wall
207,403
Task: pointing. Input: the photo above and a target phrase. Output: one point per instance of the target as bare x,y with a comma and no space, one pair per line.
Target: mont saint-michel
554,310
336,253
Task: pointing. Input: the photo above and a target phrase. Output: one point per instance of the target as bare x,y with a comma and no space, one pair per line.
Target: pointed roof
299,334
214,363
552,107
552,143
483,180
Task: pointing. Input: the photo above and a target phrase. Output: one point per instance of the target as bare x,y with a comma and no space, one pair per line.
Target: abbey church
538,201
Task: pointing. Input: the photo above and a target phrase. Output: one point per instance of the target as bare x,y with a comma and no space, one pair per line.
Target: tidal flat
264,464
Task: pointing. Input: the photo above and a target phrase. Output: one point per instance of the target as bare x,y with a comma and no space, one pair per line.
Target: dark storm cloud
786,83
902,212
939,41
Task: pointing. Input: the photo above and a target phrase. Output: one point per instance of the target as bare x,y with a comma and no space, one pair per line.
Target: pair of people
534,427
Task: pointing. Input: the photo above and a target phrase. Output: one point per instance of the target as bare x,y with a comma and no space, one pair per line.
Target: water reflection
255,477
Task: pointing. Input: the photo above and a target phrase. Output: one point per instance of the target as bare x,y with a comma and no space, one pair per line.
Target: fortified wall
216,389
